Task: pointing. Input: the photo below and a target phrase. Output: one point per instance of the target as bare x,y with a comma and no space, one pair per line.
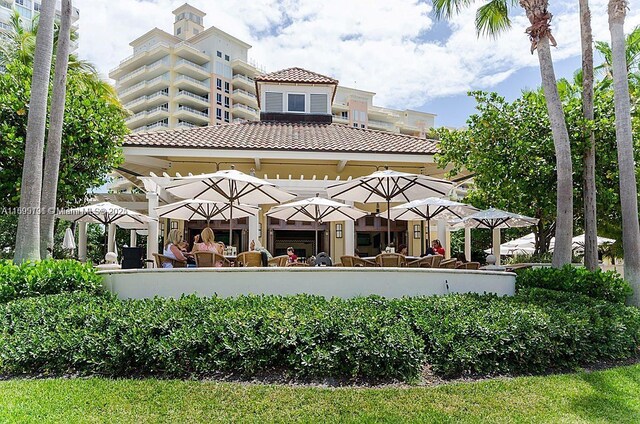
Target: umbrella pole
428,233
231,225
388,224
316,234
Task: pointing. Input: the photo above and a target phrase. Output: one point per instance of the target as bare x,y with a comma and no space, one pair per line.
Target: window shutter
318,103
273,102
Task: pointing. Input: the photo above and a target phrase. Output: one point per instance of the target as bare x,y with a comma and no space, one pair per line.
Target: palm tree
492,18
54,138
28,233
626,165
589,157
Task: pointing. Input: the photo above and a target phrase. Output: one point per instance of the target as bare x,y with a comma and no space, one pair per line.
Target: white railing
192,64
143,69
143,99
241,106
147,113
195,96
157,124
383,124
244,78
340,117
192,110
189,46
238,120
186,124
203,84
143,83
138,52
245,92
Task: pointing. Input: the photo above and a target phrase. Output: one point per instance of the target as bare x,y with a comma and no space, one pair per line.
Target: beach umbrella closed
317,210
229,186
68,242
389,186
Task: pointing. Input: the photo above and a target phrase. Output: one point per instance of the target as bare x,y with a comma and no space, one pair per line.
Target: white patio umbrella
195,209
390,186
230,186
68,242
430,208
494,219
316,209
578,241
105,213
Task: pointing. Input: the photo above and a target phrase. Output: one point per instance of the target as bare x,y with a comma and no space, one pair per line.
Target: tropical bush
311,337
603,285
46,277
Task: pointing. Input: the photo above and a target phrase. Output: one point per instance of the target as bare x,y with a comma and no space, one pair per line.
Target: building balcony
140,58
185,82
383,113
242,96
246,112
146,72
185,124
190,114
251,69
155,114
145,102
144,88
339,119
188,51
157,126
238,120
244,82
187,98
381,125
189,68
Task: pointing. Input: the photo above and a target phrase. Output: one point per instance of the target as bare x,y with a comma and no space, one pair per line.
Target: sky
396,49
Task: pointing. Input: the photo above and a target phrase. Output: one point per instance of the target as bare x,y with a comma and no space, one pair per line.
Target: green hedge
46,277
598,285
308,336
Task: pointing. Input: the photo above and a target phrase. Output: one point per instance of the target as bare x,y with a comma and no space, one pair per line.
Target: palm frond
445,9
493,18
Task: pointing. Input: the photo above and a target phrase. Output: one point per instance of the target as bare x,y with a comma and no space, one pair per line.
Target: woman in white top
171,250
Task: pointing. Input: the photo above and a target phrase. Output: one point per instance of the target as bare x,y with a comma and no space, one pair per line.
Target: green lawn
606,396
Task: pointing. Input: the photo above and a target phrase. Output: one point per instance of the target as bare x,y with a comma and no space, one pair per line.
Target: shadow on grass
615,396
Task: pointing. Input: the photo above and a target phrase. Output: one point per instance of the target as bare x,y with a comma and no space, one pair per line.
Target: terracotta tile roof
285,136
296,75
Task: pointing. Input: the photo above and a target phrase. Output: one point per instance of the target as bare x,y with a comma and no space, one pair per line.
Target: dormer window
318,103
295,102
273,102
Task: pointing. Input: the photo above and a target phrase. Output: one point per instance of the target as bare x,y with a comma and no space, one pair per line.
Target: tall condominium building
198,77
28,9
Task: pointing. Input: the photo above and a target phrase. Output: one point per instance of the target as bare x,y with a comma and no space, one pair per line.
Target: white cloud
390,47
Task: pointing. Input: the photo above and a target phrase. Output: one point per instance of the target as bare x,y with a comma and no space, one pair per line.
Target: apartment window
226,57
36,7
295,102
416,232
226,87
273,102
218,113
318,103
178,31
355,124
25,3
362,125
338,230
174,225
226,101
219,54
219,84
345,115
226,116
219,98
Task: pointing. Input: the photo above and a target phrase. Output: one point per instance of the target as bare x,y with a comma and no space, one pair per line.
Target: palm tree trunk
589,158
626,165
54,139
28,233
564,198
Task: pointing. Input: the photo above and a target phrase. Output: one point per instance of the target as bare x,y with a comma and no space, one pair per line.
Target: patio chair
469,265
210,259
162,259
250,259
424,262
278,261
354,261
391,260
289,264
448,263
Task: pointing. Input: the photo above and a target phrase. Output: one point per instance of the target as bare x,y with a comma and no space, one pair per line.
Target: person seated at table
428,252
402,249
292,255
171,249
208,243
461,258
257,247
437,247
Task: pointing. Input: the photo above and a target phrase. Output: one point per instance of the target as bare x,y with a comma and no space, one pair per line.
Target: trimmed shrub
47,277
598,285
308,336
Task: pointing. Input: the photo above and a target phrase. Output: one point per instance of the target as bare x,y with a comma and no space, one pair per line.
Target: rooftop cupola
189,21
295,95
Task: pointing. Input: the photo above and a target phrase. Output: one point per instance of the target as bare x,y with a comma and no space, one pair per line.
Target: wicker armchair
251,259
289,264
210,259
162,259
354,261
279,261
424,262
449,263
469,265
391,260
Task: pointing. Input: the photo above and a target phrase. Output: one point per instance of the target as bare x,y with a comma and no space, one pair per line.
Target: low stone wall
328,282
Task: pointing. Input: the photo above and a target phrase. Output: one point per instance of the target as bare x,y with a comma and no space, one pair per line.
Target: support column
133,238
82,241
111,238
152,225
442,236
467,243
496,245
349,237
253,229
